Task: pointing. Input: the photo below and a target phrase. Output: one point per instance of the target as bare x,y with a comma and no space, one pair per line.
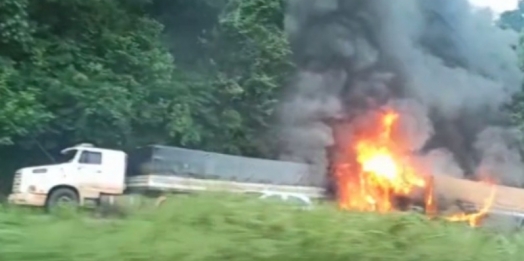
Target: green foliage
227,228
515,108
104,73
249,56
513,19
19,110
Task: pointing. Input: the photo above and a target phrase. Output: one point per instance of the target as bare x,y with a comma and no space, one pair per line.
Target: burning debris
382,175
401,92
379,169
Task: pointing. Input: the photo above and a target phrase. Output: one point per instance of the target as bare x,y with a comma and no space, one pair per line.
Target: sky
498,6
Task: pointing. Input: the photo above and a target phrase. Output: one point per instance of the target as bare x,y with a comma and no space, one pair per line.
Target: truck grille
17,180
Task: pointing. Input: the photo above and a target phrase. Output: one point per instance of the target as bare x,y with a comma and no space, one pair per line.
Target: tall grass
211,228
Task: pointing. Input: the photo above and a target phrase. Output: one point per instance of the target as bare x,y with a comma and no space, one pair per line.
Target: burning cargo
416,90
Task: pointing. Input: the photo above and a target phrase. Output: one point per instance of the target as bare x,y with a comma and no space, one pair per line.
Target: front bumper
27,199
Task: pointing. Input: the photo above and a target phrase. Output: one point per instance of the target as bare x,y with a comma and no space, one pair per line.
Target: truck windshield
68,156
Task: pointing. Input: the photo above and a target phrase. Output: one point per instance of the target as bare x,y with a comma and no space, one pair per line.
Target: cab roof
90,147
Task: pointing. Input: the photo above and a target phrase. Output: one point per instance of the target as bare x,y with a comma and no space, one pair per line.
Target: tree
19,111
513,19
249,55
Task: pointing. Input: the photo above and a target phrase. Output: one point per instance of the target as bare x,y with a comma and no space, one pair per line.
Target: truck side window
90,157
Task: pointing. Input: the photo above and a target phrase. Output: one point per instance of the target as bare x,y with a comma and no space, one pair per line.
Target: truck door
90,168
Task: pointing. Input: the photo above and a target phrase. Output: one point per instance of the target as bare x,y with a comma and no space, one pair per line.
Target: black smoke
443,64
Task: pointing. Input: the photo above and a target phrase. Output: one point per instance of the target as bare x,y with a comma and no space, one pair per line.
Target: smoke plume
442,64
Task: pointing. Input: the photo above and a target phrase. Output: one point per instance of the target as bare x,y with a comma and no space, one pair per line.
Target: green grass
211,228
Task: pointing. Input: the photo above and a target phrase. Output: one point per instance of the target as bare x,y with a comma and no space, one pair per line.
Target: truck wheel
63,197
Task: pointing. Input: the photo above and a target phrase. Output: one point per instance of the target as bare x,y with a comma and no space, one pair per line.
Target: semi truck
89,175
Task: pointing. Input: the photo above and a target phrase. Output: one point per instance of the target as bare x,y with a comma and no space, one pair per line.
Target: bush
207,227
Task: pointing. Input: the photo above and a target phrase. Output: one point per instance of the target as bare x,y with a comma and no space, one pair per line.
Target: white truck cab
84,172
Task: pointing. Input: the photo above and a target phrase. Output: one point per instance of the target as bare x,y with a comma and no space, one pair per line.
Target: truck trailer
89,175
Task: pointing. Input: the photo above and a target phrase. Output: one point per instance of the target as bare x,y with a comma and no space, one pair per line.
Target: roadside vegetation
208,227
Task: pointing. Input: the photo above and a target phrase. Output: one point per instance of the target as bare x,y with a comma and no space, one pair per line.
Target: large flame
382,172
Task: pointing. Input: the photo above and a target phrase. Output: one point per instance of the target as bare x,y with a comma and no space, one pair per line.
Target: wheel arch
63,186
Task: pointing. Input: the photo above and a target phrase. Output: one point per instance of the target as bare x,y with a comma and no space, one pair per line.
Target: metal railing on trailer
183,184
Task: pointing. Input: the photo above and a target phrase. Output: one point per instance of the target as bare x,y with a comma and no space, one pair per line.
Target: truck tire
62,197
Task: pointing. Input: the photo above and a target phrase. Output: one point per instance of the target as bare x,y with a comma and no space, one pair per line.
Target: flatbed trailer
170,184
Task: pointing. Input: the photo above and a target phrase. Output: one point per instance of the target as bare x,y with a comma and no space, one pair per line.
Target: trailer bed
184,184
167,161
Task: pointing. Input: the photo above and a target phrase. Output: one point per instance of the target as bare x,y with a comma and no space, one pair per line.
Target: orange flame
382,171
475,219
